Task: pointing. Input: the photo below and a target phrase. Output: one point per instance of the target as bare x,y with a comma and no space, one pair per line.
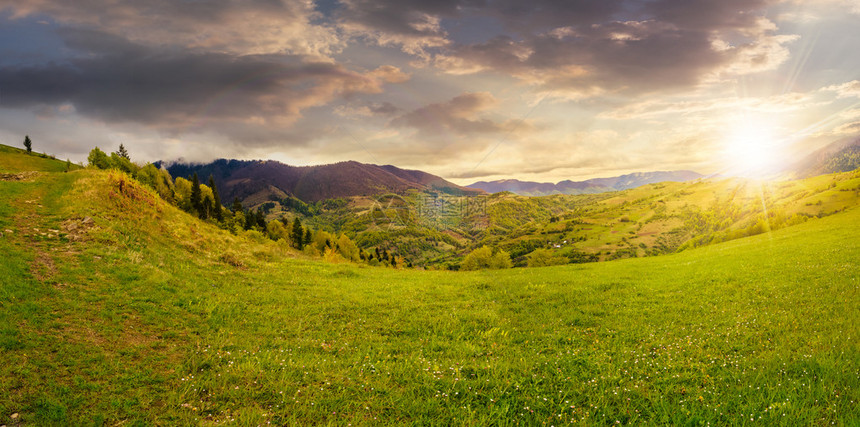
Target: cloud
459,116
226,26
416,26
845,90
847,129
179,90
412,25
369,110
670,45
711,105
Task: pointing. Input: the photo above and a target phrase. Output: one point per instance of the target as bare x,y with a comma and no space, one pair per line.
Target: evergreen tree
122,152
308,236
250,219
261,220
196,196
28,143
237,205
206,209
218,216
298,235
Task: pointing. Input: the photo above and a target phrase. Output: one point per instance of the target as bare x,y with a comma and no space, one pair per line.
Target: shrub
484,258
545,257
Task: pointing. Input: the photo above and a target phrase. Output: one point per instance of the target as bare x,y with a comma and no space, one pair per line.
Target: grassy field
116,308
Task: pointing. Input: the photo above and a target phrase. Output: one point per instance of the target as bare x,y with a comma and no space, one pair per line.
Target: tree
347,248
196,196
308,237
237,205
122,152
501,259
237,222
97,158
298,235
277,231
206,208
28,143
182,193
261,220
158,179
218,215
250,219
123,164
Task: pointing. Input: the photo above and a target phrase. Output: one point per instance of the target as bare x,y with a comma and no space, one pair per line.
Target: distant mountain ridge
595,185
257,181
840,156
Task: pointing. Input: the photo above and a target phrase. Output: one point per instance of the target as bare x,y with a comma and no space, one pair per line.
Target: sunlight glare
752,149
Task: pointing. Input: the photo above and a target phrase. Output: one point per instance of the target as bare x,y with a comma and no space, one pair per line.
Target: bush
544,258
484,258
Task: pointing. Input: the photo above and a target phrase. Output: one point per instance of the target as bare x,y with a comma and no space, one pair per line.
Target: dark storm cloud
407,20
538,15
705,15
583,46
397,17
174,89
237,26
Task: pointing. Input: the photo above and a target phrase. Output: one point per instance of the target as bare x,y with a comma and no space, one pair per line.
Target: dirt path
36,227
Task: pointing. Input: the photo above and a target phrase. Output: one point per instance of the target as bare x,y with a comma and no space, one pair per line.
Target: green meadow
116,308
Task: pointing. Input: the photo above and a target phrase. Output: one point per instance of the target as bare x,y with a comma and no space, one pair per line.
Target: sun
752,149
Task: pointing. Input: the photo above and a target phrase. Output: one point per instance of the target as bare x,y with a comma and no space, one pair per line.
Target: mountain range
256,181
595,185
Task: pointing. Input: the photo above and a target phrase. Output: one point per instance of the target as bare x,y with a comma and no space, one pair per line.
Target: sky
470,90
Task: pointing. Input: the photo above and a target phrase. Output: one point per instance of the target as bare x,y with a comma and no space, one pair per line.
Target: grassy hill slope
118,308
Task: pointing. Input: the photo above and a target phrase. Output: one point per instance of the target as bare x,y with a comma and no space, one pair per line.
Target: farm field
117,308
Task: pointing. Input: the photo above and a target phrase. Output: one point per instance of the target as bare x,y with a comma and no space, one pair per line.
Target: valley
119,308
